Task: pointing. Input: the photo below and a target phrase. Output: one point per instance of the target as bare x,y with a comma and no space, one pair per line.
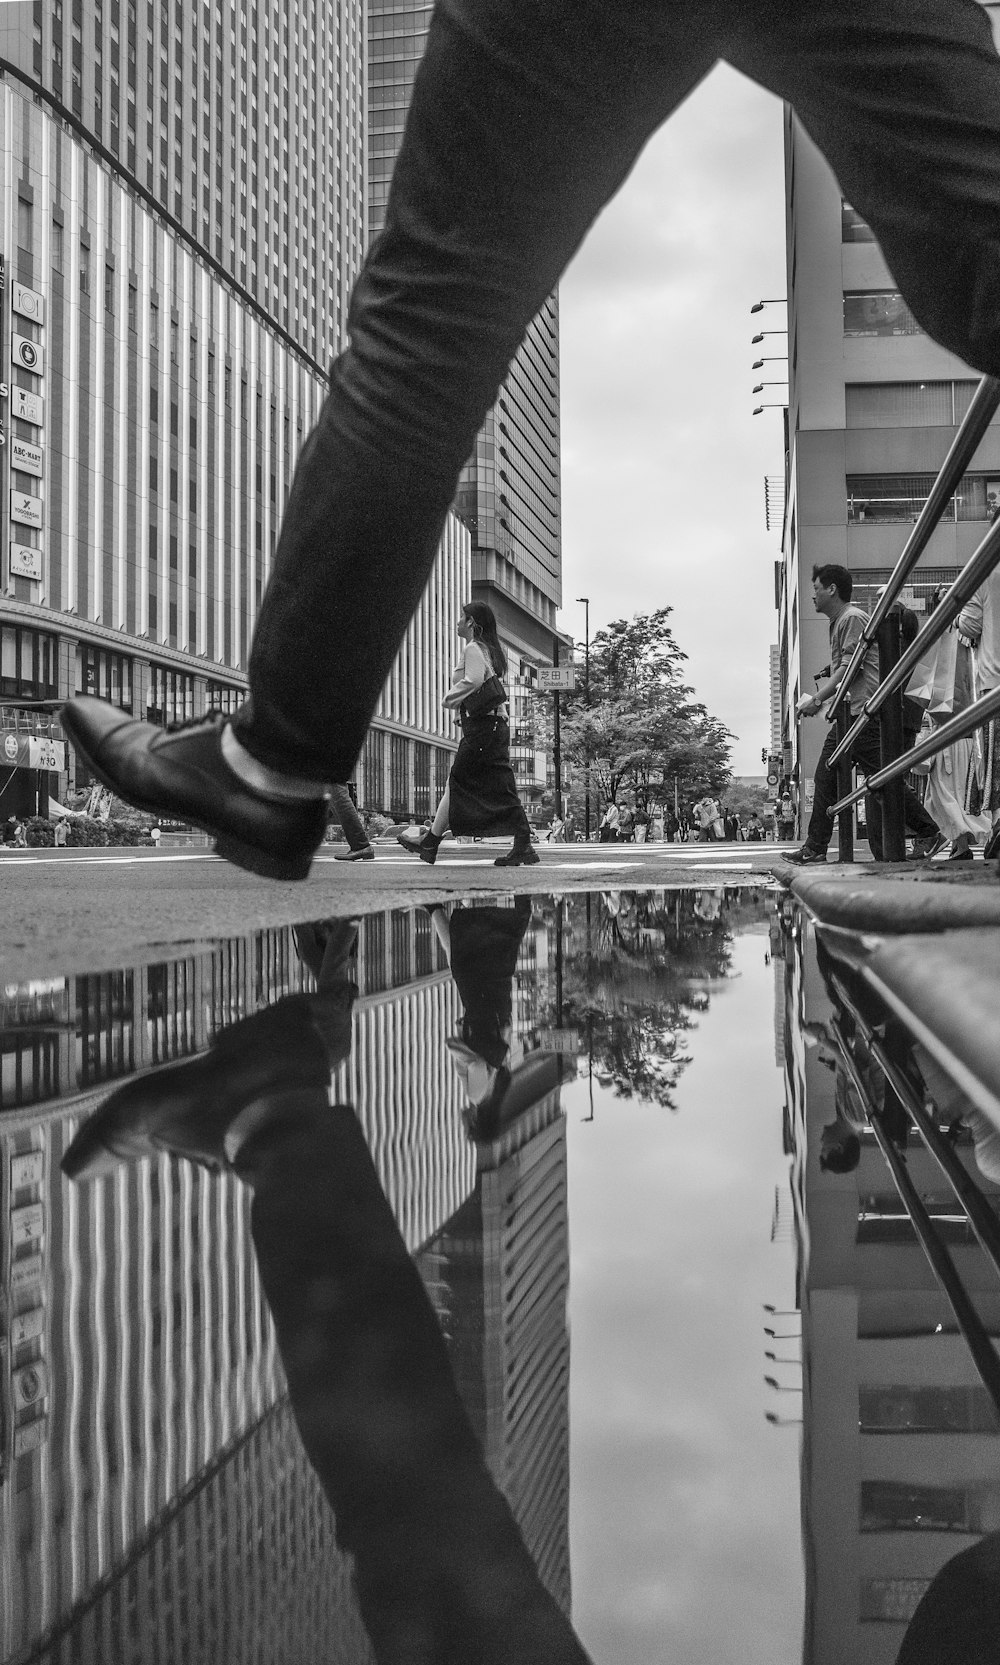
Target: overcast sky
663,463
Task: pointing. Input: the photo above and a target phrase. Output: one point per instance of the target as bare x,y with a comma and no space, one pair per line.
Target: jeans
866,755
343,808
526,117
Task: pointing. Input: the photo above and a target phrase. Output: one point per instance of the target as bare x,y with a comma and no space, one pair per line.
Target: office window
28,660
878,312
926,1410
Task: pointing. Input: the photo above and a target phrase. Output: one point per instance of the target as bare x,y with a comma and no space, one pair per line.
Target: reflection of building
176,179
510,493
140,1365
901,1454
874,404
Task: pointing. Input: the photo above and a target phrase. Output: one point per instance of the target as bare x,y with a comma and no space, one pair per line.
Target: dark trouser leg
526,117
351,822
919,822
866,756
903,98
441,1570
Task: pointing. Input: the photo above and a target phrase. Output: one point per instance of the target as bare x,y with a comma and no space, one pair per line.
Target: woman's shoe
522,855
992,845
426,846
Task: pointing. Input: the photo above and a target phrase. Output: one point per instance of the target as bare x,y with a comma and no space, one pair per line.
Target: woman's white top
979,622
469,674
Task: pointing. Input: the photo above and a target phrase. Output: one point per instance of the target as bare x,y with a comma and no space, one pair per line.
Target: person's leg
525,119
439,825
903,98
825,793
343,807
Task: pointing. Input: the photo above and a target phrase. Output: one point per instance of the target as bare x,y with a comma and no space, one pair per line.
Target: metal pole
845,822
556,746
891,798
586,702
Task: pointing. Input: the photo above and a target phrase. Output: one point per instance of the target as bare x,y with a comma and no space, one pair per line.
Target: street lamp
781,1312
759,306
772,1382
756,339
769,358
585,599
773,404
761,385
775,1359
793,1335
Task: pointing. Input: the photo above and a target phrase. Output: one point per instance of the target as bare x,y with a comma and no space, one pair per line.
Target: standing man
832,589
526,118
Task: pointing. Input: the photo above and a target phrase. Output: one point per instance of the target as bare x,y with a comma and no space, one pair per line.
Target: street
74,910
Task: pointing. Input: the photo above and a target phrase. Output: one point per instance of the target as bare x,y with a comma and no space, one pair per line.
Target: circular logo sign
10,746
27,354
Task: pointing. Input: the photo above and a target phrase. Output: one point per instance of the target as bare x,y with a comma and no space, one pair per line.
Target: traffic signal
763,754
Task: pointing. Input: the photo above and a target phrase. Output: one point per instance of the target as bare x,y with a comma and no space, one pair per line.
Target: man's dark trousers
526,117
866,755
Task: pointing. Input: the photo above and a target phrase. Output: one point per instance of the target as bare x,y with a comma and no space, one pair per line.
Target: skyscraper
509,496
182,214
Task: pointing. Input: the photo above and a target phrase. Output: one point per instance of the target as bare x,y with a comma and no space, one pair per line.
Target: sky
663,463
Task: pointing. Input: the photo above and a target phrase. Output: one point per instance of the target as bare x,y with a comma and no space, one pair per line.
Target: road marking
121,861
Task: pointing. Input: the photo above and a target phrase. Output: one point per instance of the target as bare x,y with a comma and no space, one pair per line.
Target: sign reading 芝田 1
553,678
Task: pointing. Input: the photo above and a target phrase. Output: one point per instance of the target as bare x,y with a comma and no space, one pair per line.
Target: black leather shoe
180,772
365,853
522,855
426,846
187,1108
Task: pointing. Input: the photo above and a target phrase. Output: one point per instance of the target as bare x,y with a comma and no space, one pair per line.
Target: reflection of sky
684,1501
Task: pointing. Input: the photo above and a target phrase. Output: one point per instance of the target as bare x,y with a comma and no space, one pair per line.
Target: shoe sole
522,861
264,863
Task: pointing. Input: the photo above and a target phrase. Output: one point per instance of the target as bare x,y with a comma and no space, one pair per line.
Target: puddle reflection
287,1365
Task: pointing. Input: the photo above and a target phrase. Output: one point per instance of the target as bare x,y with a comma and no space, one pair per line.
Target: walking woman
480,798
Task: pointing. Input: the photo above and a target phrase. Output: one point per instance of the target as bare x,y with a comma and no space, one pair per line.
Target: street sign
25,509
552,678
560,1040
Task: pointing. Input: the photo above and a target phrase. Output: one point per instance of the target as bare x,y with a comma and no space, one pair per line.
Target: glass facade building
182,213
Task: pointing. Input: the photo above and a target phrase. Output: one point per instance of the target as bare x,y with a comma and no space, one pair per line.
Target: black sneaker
180,772
925,848
807,856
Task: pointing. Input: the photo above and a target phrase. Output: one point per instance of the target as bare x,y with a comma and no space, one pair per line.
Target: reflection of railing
977,419
971,1204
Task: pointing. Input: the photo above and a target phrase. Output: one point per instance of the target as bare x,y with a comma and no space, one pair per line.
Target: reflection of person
523,123
481,796
441,1571
482,945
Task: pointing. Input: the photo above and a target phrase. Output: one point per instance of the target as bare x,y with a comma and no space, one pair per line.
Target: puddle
469,1275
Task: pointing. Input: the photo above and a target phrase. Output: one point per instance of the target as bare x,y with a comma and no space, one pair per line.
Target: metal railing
970,1199
983,408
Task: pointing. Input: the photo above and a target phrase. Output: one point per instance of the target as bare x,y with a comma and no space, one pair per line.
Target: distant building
181,217
873,408
775,670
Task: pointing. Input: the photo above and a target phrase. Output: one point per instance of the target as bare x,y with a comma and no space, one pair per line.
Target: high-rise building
182,211
774,656
873,408
509,495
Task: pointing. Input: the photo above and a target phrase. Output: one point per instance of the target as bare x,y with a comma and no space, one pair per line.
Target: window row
886,498
28,663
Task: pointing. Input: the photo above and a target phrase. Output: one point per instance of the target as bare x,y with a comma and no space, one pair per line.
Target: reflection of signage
28,407
25,562
30,1384
28,354
25,1275
30,1437
28,458
26,1169
560,1040
27,1326
27,1224
27,302
25,509
553,677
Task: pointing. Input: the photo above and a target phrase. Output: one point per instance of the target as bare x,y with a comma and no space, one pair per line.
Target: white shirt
979,620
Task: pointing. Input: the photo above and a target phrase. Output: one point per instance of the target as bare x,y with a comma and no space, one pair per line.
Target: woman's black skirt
483,796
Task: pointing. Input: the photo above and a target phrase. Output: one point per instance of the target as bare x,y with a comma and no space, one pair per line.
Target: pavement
67,911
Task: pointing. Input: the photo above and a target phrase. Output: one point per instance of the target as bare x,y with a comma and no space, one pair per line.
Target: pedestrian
641,825
786,812
523,122
832,590
344,809
59,836
626,824
755,829
480,798
979,623
944,677
608,830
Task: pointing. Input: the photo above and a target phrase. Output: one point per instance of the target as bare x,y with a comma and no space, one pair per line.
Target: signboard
24,509
27,1169
27,302
30,1384
27,407
25,1276
26,1224
30,1436
28,458
32,751
553,677
560,1040
28,354
27,1326
25,562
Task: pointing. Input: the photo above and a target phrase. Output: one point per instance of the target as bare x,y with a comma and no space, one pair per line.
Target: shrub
86,832
39,832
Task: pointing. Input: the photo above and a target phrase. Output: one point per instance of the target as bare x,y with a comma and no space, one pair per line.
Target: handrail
960,726
976,570
985,402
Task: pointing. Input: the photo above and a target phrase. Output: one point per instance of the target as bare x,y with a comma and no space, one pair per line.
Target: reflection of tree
636,975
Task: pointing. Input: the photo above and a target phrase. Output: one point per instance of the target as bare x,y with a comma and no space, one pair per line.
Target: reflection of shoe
426,846
365,853
992,845
522,855
807,856
924,848
187,1108
181,772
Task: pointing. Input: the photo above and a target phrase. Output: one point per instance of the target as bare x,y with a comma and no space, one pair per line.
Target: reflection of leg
440,1567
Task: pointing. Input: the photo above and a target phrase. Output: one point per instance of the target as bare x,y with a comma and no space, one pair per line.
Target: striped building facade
182,211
